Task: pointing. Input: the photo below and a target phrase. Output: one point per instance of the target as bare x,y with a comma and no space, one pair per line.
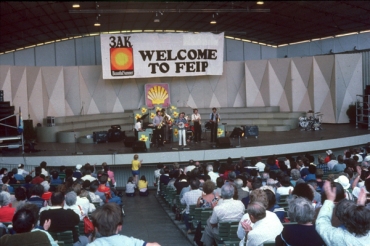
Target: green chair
269,243
66,237
198,216
228,231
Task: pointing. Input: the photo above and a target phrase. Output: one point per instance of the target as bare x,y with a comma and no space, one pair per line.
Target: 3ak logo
121,56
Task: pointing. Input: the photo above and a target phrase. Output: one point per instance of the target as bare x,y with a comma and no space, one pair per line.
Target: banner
146,55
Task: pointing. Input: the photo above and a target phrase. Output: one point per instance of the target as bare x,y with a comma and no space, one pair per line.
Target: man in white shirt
333,161
190,167
191,198
212,174
256,162
88,176
195,118
229,210
261,226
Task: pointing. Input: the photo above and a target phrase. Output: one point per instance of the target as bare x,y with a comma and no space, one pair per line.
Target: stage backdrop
146,55
322,83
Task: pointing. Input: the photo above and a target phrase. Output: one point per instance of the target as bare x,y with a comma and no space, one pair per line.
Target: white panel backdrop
322,83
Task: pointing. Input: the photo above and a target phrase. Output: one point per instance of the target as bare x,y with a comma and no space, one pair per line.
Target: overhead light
75,5
97,23
213,21
260,2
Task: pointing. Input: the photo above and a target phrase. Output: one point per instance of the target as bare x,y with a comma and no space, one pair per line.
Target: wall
64,91
325,84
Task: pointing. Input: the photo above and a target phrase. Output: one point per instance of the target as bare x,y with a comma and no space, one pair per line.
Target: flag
20,123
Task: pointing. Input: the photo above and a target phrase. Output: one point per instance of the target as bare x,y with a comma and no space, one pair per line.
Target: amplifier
50,121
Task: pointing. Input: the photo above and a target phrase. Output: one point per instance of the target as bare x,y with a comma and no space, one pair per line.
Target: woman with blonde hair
136,164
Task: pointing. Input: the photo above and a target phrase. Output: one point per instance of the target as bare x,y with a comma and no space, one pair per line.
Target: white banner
146,55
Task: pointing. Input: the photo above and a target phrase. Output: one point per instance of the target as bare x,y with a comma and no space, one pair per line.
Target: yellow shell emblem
175,132
157,94
219,132
137,116
152,115
143,138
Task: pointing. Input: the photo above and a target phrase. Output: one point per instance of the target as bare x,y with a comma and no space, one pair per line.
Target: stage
332,136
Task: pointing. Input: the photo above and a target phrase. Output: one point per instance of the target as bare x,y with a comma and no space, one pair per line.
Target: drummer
180,122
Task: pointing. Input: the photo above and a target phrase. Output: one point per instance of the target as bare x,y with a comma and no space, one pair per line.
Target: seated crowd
287,201
40,206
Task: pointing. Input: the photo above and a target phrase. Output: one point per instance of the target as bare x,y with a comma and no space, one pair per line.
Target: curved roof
24,24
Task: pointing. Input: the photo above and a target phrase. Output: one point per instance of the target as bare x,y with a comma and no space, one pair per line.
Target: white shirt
44,172
367,158
227,211
196,117
332,163
23,172
96,198
191,198
85,205
263,230
75,209
88,177
189,168
213,176
261,166
138,126
284,190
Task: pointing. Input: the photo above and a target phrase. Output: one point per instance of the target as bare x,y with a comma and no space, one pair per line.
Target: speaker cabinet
139,146
223,142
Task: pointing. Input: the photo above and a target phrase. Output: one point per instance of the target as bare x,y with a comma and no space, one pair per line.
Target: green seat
228,231
204,216
96,204
66,237
198,216
81,228
269,243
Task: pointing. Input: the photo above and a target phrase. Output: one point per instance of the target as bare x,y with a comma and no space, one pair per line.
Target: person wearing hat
77,174
328,154
195,117
23,172
344,181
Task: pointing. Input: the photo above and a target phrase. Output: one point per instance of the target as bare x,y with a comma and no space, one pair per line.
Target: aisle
145,219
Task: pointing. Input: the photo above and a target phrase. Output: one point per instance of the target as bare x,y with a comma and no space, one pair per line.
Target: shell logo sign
157,94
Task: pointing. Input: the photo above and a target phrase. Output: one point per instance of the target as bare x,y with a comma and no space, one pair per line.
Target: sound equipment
237,132
115,127
115,135
100,137
5,111
251,131
1,96
139,146
129,141
50,121
223,142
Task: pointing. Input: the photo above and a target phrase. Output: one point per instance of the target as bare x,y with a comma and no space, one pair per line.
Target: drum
186,125
302,118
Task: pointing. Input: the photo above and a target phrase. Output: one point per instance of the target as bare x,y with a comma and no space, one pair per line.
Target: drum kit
312,121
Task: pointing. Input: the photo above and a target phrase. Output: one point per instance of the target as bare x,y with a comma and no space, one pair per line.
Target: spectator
303,233
322,165
181,183
62,220
43,165
190,198
21,197
212,174
18,177
6,180
239,186
47,194
304,169
23,172
37,179
340,166
70,203
219,183
109,196
143,186
257,162
286,186
356,219
319,181
311,173
295,175
24,222
333,161
82,200
272,206
209,199
78,174
228,211
36,193
157,174
108,222
95,195
88,176
344,181
6,209
165,178
261,227
12,179
130,187
55,180
136,164
3,173
303,190
109,172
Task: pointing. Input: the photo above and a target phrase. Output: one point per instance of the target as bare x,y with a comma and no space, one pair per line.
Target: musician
138,127
157,132
166,125
180,122
214,118
195,117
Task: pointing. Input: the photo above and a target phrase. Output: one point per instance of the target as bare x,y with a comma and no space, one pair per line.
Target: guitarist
214,118
180,122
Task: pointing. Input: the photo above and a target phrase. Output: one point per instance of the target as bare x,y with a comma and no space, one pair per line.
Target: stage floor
329,132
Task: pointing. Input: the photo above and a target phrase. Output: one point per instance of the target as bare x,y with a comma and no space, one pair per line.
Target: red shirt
7,213
37,180
105,190
46,196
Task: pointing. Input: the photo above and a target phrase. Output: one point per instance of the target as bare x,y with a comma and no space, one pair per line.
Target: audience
36,193
130,187
6,210
208,199
143,186
190,198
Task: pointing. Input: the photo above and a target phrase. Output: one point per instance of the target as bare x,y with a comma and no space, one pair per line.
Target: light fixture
75,5
156,19
213,21
260,2
97,23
